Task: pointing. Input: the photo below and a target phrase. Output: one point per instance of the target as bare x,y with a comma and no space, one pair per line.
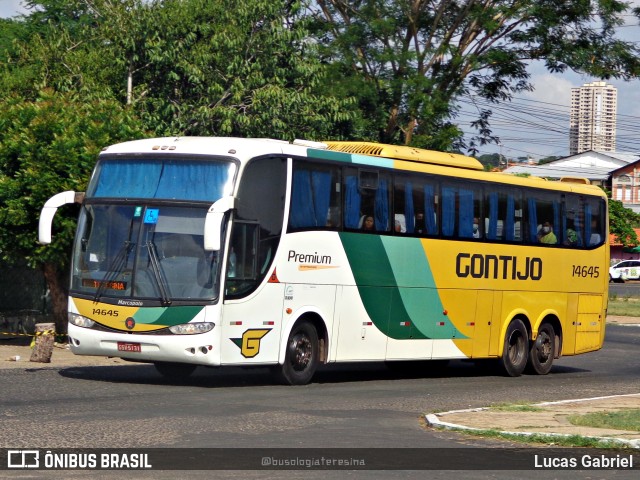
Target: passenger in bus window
400,225
420,227
546,235
333,216
368,224
571,238
595,236
476,227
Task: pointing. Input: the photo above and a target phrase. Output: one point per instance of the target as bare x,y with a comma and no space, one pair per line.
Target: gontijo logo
505,267
250,342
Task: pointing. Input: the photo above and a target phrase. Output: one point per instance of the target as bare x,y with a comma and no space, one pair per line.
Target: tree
190,67
48,146
246,70
411,62
490,160
621,223
88,74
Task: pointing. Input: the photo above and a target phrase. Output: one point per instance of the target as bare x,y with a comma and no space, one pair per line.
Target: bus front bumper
199,349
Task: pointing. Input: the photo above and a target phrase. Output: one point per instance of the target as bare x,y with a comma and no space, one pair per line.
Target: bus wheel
301,357
542,351
516,348
174,371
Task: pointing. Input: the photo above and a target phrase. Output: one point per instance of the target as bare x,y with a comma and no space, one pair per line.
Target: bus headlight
79,320
192,328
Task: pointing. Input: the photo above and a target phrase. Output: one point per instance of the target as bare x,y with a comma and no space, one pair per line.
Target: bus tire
302,355
516,349
175,371
542,351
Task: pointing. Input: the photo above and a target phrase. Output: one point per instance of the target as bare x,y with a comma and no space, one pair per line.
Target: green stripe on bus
167,316
351,158
329,155
397,287
377,285
417,287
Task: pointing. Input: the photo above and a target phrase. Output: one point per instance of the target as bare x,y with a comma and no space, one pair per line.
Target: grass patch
517,407
549,440
628,419
624,306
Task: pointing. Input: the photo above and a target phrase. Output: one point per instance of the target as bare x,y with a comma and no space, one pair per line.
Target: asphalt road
364,405
627,289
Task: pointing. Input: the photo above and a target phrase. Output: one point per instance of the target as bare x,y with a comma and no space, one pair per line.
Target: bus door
252,311
487,323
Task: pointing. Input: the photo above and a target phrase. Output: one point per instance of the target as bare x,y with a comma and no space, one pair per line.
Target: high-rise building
593,118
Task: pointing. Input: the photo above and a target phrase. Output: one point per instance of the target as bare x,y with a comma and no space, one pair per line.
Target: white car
625,270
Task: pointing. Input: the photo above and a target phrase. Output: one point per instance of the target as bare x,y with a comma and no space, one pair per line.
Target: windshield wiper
118,263
158,273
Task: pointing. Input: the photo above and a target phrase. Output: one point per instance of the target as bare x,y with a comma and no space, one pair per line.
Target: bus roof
241,148
406,153
246,148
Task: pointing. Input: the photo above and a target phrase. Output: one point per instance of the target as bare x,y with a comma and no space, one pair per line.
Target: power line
539,123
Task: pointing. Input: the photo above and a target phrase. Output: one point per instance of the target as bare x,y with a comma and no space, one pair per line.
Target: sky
535,124
9,8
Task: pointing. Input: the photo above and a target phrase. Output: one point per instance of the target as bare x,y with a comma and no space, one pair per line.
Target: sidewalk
18,356
549,418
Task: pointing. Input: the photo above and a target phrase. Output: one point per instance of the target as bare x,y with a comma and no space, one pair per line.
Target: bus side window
367,194
315,197
404,205
416,206
544,219
258,224
594,213
429,219
504,214
574,221
460,206
381,210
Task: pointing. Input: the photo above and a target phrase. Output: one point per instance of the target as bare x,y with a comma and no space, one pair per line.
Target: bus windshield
132,244
144,252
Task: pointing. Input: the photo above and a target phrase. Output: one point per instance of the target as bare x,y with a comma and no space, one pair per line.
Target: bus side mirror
213,223
49,211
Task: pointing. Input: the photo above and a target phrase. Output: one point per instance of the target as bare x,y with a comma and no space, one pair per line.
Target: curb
433,420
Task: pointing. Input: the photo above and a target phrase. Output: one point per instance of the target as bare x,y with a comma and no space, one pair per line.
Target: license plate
129,347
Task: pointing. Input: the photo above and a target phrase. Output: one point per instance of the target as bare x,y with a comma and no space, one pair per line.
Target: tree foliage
191,67
87,74
48,146
409,62
622,221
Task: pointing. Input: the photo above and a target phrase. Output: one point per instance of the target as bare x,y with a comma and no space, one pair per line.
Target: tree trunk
58,295
129,86
45,336
392,124
408,134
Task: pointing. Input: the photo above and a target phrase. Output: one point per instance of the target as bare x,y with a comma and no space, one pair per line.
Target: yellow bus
252,252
